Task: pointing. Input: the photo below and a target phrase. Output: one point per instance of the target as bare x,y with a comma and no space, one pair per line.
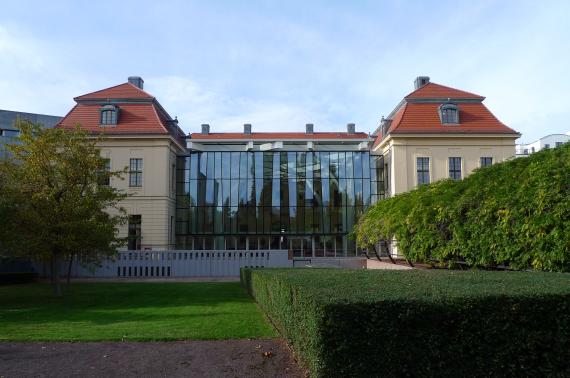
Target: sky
281,64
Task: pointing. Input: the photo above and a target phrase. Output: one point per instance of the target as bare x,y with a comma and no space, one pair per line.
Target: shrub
514,213
419,323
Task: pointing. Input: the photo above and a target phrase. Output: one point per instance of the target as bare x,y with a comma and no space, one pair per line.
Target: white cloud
193,104
34,78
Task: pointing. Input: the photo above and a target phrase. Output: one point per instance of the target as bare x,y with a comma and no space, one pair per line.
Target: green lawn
130,311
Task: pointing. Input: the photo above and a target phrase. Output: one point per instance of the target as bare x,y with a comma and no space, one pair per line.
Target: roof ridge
112,87
159,120
442,86
405,106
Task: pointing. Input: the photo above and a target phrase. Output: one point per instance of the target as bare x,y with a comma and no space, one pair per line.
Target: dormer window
109,115
449,114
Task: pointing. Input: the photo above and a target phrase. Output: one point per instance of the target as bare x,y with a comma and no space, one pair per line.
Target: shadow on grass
151,311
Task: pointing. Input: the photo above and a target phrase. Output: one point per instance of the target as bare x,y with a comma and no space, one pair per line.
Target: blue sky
279,65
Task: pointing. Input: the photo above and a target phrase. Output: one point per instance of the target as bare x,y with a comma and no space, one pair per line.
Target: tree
54,192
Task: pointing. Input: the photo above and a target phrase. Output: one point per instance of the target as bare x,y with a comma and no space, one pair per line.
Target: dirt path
220,358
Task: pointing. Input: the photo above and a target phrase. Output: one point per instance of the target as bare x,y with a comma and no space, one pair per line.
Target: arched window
109,115
449,113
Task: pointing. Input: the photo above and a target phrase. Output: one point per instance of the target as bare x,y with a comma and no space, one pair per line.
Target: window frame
449,114
134,232
481,161
109,115
423,171
135,173
455,168
105,177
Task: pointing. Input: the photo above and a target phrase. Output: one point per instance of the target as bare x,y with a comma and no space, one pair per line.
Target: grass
130,311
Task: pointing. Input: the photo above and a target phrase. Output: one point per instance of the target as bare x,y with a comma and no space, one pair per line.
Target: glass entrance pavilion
305,201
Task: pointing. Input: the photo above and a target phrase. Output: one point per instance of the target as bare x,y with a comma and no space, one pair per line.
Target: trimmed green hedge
419,323
17,278
516,213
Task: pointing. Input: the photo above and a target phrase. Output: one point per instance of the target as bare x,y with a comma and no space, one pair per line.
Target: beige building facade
437,132
153,196
301,192
474,151
142,139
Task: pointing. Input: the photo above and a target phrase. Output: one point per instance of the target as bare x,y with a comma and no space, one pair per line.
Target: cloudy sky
281,64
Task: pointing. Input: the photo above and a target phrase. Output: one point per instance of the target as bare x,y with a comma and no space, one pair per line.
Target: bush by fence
419,323
516,213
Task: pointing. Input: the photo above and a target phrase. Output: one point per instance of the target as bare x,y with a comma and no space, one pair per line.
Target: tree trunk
55,275
69,269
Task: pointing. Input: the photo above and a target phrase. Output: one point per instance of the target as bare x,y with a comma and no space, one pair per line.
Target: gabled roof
121,91
437,91
418,113
278,136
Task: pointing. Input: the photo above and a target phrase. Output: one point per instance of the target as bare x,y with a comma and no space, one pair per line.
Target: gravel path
219,358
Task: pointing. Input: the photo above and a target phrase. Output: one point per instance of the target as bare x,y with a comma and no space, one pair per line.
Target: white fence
178,263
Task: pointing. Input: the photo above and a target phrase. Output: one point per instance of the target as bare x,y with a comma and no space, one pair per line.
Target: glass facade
303,201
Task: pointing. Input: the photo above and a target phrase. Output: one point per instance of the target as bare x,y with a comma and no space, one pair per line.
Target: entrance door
302,246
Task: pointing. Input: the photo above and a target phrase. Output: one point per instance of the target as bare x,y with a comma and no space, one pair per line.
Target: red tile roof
422,117
437,91
270,136
142,116
473,118
121,91
133,119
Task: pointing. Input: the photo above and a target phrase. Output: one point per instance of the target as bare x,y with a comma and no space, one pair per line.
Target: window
422,167
135,172
547,146
10,133
558,144
526,151
449,114
532,150
104,178
455,168
109,115
173,178
135,222
486,161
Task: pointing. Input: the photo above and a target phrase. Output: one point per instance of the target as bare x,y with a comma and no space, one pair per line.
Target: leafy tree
57,202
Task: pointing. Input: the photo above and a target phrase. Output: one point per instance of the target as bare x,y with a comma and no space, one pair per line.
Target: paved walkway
218,358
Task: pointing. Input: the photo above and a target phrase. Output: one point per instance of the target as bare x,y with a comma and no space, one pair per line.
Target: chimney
247,128
309,128
350,128
205,129
137,81
420,81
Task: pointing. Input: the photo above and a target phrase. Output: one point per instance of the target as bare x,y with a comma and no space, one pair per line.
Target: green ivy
516,213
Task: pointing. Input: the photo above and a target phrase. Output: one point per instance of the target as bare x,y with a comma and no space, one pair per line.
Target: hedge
419,323
17,277
515,213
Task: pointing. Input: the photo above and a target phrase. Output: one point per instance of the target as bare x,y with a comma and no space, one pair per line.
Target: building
141,136
299,191
257,191
549,141
438,132
9,133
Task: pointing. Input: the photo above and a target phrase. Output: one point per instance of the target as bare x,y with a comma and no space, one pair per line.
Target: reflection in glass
267,199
